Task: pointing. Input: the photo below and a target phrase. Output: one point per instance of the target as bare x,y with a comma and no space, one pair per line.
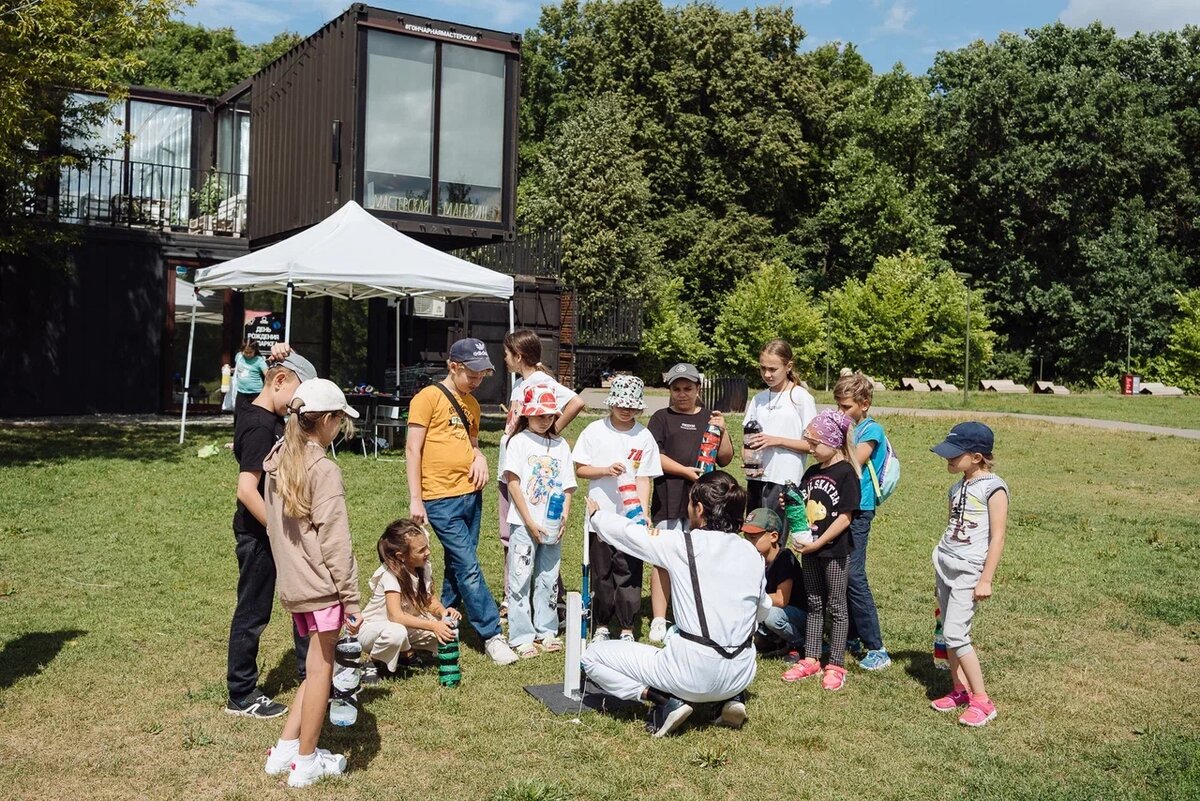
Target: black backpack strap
457,407
703,638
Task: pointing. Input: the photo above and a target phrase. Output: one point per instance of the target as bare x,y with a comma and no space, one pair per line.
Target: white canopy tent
353,255
206,305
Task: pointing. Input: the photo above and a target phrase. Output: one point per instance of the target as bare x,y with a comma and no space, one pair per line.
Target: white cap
321,395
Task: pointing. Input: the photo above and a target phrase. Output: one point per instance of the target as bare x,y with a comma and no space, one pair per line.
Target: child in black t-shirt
785,623
831,490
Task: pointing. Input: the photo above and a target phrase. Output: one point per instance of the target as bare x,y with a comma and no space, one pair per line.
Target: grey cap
682,370
299,365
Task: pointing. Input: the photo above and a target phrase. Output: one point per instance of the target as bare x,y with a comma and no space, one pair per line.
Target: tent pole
187,372
398,340
511,328
287,316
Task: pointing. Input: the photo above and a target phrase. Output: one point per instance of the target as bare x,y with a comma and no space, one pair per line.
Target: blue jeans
785,623
864,617
531,567
456,523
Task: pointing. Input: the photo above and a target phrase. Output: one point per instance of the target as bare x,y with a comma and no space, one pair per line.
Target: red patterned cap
538,399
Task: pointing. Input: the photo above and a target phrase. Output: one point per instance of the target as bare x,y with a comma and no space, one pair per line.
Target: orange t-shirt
447,454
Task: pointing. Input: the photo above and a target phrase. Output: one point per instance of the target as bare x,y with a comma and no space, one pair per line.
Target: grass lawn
117,582
1179,412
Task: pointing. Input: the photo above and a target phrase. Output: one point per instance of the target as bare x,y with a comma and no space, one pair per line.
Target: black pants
764,495
255,598
616,585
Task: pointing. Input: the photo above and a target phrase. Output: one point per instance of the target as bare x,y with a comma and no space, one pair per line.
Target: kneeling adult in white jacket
717,585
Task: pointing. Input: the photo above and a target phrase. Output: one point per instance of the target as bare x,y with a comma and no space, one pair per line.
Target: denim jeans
456,523
864,617
785,623
532,570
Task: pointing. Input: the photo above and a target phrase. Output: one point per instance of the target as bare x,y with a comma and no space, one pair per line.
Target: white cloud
1129,16
801,3
898,17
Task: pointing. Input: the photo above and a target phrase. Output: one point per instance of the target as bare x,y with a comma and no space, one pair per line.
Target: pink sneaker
834,678
952,701
979,713
802,670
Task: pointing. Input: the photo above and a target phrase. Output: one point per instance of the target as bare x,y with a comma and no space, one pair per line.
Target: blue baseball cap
969,437
472,353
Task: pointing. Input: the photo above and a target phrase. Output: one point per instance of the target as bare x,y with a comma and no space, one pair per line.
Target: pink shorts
327,619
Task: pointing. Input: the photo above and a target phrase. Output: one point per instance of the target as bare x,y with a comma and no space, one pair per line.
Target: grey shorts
955,581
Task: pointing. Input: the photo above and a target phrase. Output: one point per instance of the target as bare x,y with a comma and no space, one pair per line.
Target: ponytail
293,475
721,499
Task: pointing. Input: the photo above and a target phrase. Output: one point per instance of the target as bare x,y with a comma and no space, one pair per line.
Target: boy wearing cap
259,426
678,431
785,622
965,560
446,475
610,452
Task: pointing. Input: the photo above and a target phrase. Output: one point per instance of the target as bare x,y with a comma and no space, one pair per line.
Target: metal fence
617,326
724,394
536,255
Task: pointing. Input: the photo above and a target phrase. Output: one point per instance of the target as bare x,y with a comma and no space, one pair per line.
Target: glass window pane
86,191
398,139
471,143
160,168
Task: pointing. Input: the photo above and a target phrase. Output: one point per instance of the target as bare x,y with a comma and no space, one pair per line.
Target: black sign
266,331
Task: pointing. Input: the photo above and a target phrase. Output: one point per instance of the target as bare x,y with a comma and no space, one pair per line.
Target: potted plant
205,200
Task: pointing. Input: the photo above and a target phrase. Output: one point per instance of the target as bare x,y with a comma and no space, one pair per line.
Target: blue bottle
552,526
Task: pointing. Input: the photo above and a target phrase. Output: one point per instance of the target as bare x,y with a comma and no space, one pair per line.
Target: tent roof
209,308
351,254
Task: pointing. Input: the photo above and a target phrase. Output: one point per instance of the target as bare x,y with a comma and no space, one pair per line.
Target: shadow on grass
919,665
37,444
30,653
283,677
359,742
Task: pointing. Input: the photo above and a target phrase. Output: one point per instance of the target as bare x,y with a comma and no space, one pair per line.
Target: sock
961,688
980,697
288,746
305,760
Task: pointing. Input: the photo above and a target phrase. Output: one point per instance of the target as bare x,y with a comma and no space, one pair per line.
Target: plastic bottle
449,674
797,518
941,660
226,374
552,525
347,673
751,458
706,459
631,504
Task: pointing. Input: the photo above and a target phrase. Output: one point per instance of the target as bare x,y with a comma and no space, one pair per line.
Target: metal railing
724,394
619,325
112,191
537,255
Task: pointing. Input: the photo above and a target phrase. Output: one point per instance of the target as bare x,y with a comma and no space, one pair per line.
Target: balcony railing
115,192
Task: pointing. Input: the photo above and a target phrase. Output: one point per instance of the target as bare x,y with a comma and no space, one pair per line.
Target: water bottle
706,460
797,518
347,673
751,458
941,660
552,525
631,504
449,674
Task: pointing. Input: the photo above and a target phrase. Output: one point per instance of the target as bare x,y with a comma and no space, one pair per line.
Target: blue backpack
886,479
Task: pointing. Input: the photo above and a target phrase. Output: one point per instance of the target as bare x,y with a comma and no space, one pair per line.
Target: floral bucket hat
626,392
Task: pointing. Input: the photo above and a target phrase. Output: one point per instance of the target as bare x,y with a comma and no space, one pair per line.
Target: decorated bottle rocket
797,518
449,674
706,459
347,673
751,458
631,504
941,660
552,524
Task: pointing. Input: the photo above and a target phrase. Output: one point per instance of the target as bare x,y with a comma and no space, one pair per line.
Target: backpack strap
462,415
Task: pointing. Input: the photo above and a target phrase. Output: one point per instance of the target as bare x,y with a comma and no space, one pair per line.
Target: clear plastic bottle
751,459
347,674
552,525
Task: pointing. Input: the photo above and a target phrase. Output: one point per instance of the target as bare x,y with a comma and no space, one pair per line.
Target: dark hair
526,345
393,547
522,424
250,349
722,499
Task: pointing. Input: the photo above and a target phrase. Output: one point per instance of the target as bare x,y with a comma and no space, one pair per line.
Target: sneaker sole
674,721
981,723
242,713
954,708
732,716
880,666
793,679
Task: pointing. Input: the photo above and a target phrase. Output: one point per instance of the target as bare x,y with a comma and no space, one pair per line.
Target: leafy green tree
765,305
1184,349
670,334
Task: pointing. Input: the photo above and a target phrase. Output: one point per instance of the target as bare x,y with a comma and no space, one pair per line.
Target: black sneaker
664,718
370,673
256,706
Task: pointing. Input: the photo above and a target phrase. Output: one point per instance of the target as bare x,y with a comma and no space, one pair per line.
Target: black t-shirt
785,567
678,436
829,493
256,433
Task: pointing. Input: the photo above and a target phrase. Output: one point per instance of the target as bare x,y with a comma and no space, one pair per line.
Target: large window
471,150
399,127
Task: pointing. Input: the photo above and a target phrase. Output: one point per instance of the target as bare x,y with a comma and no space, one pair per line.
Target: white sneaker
601,634
324,764
279,760
658,629
733,714
499,651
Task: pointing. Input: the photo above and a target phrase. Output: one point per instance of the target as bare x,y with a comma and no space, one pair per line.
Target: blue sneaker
875,660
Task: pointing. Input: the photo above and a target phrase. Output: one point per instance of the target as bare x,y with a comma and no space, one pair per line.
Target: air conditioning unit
429,307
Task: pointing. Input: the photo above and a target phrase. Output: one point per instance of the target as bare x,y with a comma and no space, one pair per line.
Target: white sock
288,746
305,760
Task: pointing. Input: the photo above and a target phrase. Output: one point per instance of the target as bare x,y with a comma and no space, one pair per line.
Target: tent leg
511,328
287,316
398,301
187,372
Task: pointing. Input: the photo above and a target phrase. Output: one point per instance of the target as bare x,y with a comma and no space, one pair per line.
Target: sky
885,31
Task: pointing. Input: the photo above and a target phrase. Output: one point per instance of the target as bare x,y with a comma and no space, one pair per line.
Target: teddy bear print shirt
543,464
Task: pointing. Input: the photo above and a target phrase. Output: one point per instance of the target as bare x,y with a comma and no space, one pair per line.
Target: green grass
117,581
1179,412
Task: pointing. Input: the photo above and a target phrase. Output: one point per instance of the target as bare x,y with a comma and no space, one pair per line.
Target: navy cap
472,353
969,437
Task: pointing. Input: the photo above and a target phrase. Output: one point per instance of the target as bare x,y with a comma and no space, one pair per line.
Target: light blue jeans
532,570
785,623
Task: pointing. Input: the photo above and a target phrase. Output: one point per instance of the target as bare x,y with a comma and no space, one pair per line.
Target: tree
47,49
765,305
670,333
1184,349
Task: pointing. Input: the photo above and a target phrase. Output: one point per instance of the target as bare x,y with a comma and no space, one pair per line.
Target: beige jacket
314,559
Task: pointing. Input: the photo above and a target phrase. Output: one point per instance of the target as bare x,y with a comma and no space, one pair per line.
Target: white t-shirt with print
969,531
600,445
542,464
562,395
783,414
383,581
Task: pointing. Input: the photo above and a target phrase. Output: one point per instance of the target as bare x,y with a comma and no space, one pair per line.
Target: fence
724,394
618,326
536,255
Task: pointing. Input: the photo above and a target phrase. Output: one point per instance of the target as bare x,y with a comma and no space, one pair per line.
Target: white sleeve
513,456
651,466
567,477
563,395
648,544
807,408
583,448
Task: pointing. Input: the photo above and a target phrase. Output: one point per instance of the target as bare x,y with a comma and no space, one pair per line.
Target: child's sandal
526,651
551,644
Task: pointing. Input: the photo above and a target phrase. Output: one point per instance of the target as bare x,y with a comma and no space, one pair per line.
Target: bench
913,385
941,386
1155,388
1049,388
1002,385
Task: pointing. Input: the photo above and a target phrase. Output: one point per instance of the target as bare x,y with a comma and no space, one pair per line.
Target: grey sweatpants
954,582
